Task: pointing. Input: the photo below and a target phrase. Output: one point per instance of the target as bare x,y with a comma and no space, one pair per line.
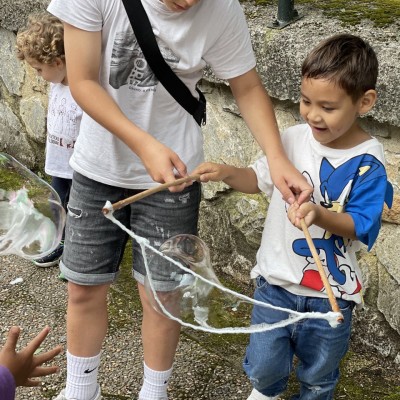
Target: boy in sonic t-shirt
345,165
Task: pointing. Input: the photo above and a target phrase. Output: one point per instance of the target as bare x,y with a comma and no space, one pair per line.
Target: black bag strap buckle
200,114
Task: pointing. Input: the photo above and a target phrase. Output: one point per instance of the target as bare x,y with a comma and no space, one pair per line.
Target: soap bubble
195,296
31,215
197,299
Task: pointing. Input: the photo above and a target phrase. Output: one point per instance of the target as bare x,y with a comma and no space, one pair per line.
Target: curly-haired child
41,45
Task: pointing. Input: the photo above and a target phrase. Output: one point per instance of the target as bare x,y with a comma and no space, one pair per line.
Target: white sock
81,377
256,395
154,384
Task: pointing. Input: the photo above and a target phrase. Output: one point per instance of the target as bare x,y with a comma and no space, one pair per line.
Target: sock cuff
82,365
79,359
156,377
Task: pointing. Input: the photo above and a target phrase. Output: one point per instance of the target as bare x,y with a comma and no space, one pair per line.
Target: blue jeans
63,187
318,347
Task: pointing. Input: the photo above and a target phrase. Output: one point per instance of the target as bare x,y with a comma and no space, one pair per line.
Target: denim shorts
318,347
94,245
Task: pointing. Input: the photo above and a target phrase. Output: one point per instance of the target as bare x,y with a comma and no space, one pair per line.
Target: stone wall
231,223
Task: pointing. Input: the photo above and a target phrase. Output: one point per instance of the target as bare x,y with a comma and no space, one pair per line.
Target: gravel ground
40,299
206,366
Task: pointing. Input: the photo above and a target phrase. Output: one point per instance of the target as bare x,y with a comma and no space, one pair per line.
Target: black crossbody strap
147,41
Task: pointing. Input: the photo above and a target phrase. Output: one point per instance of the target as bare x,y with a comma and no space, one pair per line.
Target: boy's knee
81,294
320,386
322,390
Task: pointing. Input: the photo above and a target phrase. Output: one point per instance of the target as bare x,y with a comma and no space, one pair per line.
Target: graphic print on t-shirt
129,66
347,184
62,122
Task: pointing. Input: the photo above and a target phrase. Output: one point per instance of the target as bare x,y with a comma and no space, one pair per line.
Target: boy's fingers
12,338
289,198
286,192
32,382
49,355
44,371
304,195
37,340
179,165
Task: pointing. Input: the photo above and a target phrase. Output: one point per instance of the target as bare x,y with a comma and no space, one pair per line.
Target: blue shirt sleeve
7,384
365,206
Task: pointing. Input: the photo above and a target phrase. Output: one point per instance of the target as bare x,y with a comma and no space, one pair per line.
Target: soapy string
295,316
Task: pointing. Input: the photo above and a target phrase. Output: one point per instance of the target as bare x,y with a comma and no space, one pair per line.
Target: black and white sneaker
51,259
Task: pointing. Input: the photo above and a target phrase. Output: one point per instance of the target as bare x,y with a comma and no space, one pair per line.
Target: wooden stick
148,192
325,281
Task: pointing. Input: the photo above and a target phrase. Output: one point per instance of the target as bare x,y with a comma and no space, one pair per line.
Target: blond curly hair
42,39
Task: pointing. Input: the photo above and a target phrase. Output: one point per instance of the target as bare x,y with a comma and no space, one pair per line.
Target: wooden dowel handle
325,281
148,192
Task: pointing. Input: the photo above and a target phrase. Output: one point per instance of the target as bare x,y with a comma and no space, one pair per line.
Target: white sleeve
264,180
85,15
231,54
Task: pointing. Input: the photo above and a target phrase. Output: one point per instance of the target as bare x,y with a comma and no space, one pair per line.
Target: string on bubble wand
334,318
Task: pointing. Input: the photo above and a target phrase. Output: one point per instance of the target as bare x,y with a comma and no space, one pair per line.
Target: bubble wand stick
148,192
324,278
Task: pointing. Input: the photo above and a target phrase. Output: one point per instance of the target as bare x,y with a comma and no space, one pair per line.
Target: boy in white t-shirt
41,45
345,165
133,136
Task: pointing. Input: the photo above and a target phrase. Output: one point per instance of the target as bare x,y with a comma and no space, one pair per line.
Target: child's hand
308,211
24,364
210,171
288,180
162,164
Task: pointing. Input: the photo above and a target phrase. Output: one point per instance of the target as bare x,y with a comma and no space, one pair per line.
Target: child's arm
256,108
340,224
241,179
83,58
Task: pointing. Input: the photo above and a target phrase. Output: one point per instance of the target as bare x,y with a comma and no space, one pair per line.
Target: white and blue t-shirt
350,180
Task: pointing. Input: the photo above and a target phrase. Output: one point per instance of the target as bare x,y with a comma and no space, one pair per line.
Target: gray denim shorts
94,245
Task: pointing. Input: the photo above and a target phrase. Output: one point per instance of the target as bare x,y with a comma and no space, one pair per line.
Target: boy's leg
320,349
160,337
93,250
87,322
269,355
157,218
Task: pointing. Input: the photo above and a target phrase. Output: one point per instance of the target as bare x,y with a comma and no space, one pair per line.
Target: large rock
13,13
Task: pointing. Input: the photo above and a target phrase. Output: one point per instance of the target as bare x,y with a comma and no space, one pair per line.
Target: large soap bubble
195,296
31,215
181,284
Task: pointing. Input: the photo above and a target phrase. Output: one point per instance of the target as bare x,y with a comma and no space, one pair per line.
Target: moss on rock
380,12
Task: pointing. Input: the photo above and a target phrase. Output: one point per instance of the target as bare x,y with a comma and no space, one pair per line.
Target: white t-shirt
63,121
355,178
211,32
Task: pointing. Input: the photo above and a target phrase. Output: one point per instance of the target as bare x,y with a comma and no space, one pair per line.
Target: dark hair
347,60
